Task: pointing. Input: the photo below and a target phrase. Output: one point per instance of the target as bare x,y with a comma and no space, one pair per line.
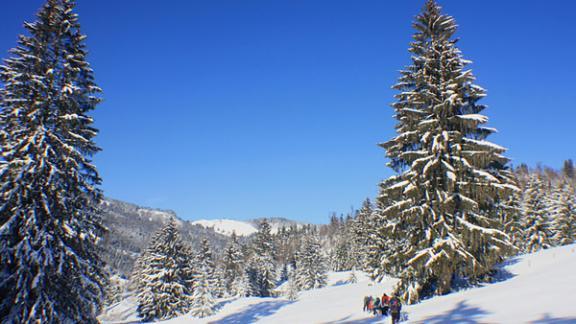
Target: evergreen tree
203,302
534,215
510,214
262,268
241,287
50,270
165,277
233,262
563,214
115,290
205,260
353,277
568,170
311,268
363,237
292,292
441,204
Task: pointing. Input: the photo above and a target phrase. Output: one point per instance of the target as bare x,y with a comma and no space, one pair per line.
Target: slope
538,288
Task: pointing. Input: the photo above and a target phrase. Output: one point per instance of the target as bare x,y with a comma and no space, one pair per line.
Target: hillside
130,227
536,288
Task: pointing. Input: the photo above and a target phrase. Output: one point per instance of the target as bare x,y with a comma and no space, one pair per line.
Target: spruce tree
241,287
233,262
292,291
537,232
363,238
510,214
311,268
440,206
353,278
262,267
165,277
203,302
563,215
205,259
50,270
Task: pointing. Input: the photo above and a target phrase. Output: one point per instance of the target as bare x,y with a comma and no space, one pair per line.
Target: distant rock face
130,228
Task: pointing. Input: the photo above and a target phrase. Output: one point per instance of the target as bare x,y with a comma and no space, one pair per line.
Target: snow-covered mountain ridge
243,228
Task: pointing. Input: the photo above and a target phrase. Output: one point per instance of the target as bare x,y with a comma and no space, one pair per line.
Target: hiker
395,308
370,304
366,301
385,304
376,306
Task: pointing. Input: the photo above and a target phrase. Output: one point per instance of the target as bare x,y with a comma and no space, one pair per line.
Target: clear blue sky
244,109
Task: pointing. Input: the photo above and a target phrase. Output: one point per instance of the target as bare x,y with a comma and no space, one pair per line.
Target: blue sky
244,109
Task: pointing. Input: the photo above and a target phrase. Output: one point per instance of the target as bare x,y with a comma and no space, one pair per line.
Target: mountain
244,228
533,288
130,227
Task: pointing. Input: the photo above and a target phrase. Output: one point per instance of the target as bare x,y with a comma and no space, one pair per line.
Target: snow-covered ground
241,228
227,226
535,288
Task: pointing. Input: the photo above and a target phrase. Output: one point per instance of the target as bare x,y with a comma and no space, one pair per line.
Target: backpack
395,305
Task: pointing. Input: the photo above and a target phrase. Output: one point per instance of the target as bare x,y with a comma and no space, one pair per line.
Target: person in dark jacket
395,309
376,305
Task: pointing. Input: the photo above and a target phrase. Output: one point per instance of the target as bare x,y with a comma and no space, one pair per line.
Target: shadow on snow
547,319
254,312
462,313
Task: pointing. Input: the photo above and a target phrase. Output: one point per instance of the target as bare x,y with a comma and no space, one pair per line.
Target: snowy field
535,288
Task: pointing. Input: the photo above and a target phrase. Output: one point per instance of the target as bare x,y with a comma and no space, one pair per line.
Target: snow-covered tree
165,277
261,266
205,259
510,214
292,291
241,287
362,225
563,214
116,289
233,263
203,302
311,265
535,220
50,270
353,278
441,203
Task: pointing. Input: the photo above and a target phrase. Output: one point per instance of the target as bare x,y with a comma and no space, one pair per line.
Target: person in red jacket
371,305
385,304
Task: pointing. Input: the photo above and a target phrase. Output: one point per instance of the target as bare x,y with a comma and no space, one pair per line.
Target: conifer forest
458,231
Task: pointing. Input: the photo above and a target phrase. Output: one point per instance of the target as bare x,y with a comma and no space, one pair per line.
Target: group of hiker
384,306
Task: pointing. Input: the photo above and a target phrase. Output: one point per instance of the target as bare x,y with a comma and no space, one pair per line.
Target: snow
242,228
227,226
535,287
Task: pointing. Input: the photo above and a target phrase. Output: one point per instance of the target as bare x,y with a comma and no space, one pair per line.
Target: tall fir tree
363,238
262,268
233,263
165,276
563,214
536,224
441,204
49,224
203,302
311,265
